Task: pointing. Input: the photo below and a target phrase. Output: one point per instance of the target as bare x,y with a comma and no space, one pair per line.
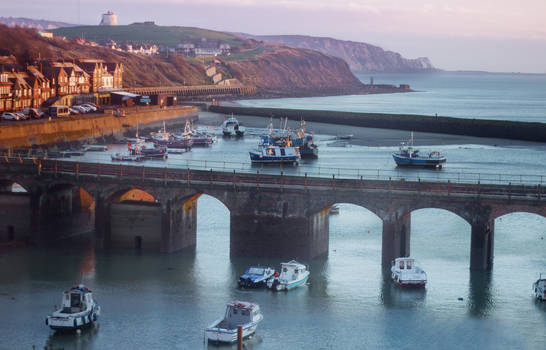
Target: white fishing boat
238,313
232,127
293,274
406,273
78,309
540,288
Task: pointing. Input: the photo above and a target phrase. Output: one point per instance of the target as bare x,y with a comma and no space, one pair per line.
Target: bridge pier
482,245
396,238
271,236
102,220
178,225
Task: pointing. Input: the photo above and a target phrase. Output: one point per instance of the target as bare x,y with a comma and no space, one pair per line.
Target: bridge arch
14,185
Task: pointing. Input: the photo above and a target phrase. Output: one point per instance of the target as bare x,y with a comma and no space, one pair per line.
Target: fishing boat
232,127
293,274
255,277
540,288
238,313
198,138
148,150
78,309
409,156
305,143
269,152
406,273
120,157
170,140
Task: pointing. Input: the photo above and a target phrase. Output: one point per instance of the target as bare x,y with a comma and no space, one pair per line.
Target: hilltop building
109,19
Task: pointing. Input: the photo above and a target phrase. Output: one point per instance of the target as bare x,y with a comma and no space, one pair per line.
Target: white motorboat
78,309
293,274
406,273
540,288
232,127
238,313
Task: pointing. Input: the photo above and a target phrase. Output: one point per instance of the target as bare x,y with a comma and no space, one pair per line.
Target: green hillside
147,33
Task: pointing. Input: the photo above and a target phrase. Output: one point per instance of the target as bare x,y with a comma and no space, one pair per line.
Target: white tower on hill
109,19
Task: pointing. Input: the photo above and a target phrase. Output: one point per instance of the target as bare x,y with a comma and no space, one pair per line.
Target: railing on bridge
242,173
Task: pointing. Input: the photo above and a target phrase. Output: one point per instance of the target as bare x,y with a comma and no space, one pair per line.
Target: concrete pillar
178,225
482,245
396,238
271,236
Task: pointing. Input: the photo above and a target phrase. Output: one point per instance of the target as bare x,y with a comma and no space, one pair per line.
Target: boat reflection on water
73,340
392,296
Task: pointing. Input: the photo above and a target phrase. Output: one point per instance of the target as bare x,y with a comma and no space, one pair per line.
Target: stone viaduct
270,215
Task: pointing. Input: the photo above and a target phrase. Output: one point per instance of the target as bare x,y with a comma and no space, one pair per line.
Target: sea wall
527,131
43,132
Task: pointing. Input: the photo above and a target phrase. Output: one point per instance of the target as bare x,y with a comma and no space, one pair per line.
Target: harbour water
517,97
158,301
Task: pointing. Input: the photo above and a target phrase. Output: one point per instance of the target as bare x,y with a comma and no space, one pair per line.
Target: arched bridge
270,215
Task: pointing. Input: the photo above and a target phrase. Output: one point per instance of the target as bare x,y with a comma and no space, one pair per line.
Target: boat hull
280,286
74,321
309,152
258,158
229,335
418,161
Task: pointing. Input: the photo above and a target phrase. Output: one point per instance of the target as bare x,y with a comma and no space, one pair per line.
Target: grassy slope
147,33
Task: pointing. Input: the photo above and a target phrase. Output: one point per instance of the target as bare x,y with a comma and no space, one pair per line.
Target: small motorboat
198,138
334,209
293,274
238,313
269,152
78,309
540,288
406,273
120,157
147,150
255,277
345,137
95,148
232,127
409,156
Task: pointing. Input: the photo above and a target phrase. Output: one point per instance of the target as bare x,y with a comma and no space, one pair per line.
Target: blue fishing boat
409,156
255,277
305,143
269,152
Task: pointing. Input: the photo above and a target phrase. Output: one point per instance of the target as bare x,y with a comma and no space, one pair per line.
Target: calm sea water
159,301
486,96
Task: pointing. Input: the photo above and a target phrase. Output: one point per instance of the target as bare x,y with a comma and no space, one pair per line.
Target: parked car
82,108
87,105
74,110
22,116
33,112
9,116
59,111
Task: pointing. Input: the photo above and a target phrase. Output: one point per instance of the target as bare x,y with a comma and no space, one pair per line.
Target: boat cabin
404,263
239,313
76,299
291,271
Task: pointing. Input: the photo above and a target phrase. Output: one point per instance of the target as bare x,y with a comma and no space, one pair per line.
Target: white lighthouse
109,19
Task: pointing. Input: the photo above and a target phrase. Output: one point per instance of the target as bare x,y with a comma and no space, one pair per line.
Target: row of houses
38,84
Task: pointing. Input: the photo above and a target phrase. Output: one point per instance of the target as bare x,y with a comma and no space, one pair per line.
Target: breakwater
44,132
527,131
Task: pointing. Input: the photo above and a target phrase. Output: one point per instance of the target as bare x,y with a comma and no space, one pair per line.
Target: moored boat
268,152
293,274
540,288
232,127
78,309
238,313
120,157
406,273
255,277
304,142
407,155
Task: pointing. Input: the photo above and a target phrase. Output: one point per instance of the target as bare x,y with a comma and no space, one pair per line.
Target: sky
489,35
